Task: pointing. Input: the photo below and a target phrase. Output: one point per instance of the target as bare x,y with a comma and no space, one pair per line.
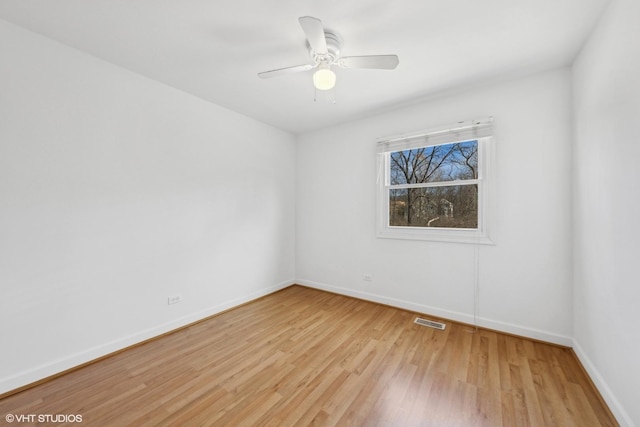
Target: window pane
454,206
439,163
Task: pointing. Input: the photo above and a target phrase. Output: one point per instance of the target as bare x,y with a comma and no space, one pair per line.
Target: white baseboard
614,405
54,367
446,314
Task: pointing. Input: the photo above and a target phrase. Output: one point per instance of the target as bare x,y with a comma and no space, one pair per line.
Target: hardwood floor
305,357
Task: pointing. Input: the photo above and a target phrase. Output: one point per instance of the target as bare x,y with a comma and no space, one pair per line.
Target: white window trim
463,131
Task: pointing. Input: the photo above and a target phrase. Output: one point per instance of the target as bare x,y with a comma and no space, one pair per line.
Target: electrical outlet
367,277
174,299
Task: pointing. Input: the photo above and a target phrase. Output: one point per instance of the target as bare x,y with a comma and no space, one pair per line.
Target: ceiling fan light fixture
324,78
324,51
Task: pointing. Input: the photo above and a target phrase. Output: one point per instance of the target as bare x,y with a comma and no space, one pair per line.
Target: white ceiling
214,49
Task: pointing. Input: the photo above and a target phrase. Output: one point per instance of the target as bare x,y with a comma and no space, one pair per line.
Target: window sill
436,235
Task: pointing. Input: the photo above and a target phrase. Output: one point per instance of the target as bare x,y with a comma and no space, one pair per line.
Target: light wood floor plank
303,357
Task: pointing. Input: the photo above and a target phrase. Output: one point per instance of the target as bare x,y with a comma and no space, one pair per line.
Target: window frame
462,132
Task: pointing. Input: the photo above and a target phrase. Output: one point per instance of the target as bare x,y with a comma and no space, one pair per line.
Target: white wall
525,279
607,208
116,192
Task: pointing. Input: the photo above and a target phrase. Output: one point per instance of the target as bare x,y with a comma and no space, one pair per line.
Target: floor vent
430,323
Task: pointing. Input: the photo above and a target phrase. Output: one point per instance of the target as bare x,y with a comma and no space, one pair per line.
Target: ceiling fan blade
283,71
314,31
382,62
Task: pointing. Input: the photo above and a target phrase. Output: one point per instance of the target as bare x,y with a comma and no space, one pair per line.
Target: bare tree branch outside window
422,198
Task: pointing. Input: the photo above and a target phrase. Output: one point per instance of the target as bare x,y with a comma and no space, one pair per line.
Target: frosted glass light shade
324,79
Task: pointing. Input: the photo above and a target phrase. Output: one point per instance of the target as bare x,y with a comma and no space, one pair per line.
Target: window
434,186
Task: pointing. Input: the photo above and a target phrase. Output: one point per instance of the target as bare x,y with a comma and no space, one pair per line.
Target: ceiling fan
324,51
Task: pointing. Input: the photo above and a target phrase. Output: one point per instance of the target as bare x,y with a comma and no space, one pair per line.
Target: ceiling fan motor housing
334,42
